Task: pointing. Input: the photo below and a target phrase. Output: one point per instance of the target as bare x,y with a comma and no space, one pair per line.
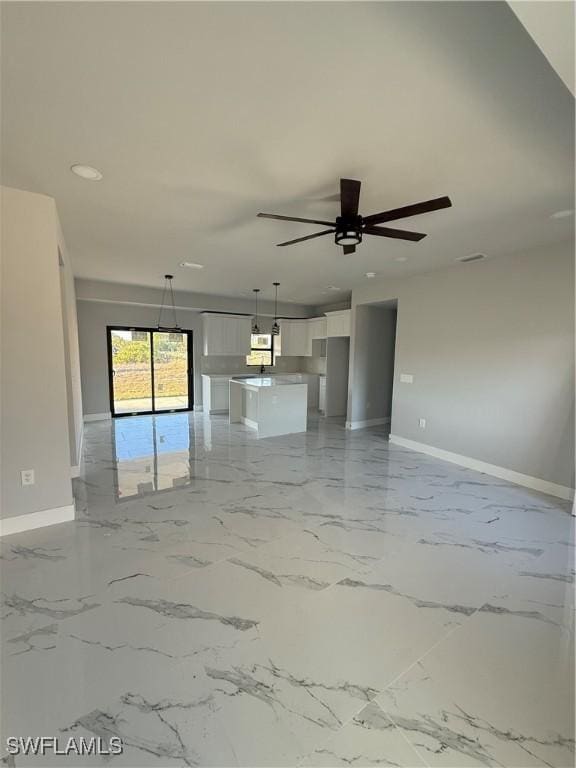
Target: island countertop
267,381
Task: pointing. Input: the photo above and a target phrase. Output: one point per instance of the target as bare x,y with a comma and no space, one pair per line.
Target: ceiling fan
349,227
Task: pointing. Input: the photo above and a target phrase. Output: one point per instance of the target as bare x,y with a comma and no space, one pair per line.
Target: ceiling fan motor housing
348,230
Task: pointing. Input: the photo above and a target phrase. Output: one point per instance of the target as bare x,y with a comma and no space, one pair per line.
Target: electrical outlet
27,477
422,423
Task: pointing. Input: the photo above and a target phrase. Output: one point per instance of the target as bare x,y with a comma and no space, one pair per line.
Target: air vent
474,257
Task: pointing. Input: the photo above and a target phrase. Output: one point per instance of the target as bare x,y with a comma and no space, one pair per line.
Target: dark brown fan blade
294,218
399,234
408,210
349,197
308,237
349,249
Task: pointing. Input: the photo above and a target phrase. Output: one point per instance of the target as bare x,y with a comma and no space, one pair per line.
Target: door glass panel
131,371
170,371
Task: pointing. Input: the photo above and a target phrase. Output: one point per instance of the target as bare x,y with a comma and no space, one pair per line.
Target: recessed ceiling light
401,258
370,274
562,214
333,288
86,172
191,265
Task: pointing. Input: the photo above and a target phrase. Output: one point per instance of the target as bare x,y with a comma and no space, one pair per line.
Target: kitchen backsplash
229,364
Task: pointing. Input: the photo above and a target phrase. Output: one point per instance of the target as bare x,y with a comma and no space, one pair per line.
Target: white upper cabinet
338,323
294,339
227,334
317,328
296,336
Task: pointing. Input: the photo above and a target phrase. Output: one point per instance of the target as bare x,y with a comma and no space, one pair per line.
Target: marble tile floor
323,599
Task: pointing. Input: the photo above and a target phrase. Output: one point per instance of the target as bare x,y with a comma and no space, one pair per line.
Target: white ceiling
200,115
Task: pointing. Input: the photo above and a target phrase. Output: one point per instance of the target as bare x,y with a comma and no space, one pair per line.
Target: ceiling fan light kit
348,234
349,227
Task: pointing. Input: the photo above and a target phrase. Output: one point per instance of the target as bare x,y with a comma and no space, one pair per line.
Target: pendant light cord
255,326
173,304
168,288
275,326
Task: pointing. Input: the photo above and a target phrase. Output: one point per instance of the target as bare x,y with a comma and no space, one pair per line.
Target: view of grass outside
132,370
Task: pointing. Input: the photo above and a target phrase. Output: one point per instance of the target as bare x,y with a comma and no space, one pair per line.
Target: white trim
11,525
367,423
75,470
97,416
544,486
198,408
249,422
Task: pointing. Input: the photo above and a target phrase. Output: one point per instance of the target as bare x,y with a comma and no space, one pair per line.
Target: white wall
96,290
34,398
93,317
491,347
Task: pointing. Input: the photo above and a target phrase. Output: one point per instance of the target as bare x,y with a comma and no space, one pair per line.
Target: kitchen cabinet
338,323
312,380
317,328
294,339
296,336
215,394
226,334
322,394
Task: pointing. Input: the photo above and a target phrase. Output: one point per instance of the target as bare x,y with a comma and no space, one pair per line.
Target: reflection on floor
315,599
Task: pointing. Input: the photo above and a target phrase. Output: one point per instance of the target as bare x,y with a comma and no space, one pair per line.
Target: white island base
269,405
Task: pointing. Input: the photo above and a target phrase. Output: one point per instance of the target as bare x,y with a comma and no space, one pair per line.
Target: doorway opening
150,371
371,396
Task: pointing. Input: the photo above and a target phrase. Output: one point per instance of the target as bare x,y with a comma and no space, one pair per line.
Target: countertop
268,381
267,375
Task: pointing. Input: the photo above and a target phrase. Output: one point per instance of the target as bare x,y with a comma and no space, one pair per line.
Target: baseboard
198,408
97,416
535,483
11,525
249,422
368,423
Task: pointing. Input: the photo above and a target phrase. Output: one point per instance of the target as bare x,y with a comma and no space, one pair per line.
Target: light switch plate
406,378
422,423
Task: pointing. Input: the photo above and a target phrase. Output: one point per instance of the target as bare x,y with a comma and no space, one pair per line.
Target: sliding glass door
150,371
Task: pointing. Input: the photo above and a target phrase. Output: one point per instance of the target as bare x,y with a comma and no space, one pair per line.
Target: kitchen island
272,405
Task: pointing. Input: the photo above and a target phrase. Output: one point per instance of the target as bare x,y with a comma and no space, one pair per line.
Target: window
262,350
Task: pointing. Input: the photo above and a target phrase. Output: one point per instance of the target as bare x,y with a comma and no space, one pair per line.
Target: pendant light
275,326
255,326
165,306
